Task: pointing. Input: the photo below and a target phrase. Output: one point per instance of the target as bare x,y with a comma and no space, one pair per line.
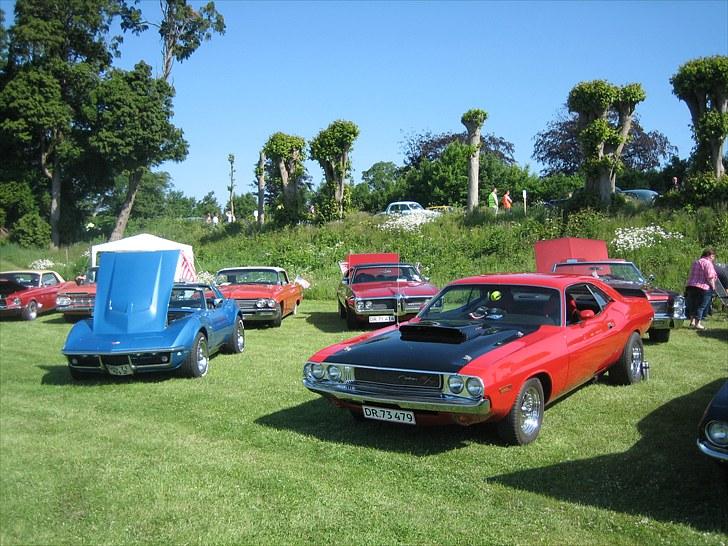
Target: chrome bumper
705,448
665,322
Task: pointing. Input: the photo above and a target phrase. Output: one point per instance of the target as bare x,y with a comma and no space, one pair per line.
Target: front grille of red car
246,305
398,378
81,301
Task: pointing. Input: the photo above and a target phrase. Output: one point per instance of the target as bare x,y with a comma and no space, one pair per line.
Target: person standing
699,288
493,200
507,201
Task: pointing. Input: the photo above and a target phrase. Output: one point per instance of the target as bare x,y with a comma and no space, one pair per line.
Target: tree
286,154
473,121
182,28
380,184
602,142
331,149
3,42
557,147
129,122
431,146
231,187
56,51
260,175
703,85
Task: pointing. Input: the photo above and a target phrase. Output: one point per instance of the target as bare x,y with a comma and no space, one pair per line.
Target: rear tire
660,336
628,369
198,361
30,312
523,423
236,344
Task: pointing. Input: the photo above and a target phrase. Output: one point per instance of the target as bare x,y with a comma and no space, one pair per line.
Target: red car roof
548,280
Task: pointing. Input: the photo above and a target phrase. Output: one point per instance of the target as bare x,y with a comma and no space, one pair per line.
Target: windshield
248,276
415,206
29,280
607,271
491,303
385,273
187,298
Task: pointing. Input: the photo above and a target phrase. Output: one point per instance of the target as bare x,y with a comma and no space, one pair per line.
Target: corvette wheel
237,339
523,423
628,369
31,311
197,362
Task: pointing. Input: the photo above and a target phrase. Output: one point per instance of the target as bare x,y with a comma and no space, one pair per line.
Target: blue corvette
145,322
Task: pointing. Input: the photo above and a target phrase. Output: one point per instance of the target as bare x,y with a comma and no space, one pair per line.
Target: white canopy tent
145,241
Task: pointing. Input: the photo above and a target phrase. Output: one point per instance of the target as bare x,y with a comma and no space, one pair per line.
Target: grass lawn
247,455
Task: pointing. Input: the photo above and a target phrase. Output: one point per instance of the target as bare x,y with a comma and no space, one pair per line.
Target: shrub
31,231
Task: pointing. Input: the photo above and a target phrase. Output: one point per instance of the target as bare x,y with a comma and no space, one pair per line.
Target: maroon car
378,289
27,293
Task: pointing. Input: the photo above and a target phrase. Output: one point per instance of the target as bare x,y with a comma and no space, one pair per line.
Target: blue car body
145,322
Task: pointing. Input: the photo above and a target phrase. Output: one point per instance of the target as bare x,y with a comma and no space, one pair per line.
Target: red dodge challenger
488,348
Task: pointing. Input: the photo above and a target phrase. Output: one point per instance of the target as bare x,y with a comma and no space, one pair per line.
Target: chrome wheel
31,311
201,357
635,366
530,411
239,336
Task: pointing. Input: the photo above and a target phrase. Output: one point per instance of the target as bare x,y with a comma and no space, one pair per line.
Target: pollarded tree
182,29
331,149
703,85
260,175
130,125
602,141
287,153
473,121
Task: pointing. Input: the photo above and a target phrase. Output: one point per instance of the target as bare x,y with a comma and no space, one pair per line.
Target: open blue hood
133,291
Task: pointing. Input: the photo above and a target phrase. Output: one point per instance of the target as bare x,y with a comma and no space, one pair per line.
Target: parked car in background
262,293
379,289
409,207
151,324
27,293
641,196
488,348
75,299
574,256
713,429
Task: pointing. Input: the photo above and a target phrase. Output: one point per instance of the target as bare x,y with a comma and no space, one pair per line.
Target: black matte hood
429,346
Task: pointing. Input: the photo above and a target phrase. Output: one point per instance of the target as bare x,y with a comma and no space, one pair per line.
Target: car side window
580,298
599,295
49,279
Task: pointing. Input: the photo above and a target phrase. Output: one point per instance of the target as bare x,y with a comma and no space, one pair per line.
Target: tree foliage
703,85
558,148
286,176
429,146
602,141
331,148
380,185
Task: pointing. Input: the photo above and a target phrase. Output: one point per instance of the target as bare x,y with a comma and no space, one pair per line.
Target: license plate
381,318
124,369
384,414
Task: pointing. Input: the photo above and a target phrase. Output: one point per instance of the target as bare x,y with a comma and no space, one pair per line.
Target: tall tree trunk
716,151
261,189
473,165
601,185
54,177
123,219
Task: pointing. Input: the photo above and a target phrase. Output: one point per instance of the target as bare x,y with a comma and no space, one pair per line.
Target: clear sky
401,68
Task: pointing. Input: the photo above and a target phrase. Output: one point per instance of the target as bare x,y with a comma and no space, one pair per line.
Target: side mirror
217,302
345,280
650,279
586,314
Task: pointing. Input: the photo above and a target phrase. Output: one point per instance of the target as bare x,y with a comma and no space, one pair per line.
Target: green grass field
247,455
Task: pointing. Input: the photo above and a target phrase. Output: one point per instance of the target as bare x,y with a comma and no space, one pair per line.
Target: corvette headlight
717,433
334,373
474,386
63,300
455,383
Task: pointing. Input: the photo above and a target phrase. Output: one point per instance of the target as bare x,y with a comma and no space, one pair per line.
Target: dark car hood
428,346
388,289
627,288
8,287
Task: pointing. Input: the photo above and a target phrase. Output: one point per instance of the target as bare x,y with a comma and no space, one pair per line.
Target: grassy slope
247,455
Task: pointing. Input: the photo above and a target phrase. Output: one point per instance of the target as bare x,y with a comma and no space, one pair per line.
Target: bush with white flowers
43,263
205,277
406,222
632,238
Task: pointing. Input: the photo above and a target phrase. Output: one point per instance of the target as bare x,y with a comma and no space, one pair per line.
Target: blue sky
399,68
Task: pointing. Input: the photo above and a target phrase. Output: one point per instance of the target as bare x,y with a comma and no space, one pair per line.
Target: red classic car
27,293
379,289
75,299
262,293
488,348
589,257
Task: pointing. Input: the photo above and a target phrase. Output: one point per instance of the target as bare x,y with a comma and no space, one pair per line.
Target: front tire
236,344
342,311
197,362
276,322
351,322
31,311
628,369
523,423
660,336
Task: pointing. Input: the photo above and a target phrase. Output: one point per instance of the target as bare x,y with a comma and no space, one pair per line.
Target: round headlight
717,432
63,300
271,303
16,301
334,373
74,360
260,304
359,305
474,386
317,370
368,305
455,383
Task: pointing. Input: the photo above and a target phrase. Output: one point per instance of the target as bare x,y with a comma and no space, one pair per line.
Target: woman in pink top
699,288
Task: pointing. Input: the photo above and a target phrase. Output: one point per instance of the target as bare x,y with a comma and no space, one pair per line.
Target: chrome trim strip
710,452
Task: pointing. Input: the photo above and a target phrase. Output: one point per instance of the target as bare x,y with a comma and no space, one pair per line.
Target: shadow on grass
59,375
329,323
720,334
320,419
658,477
